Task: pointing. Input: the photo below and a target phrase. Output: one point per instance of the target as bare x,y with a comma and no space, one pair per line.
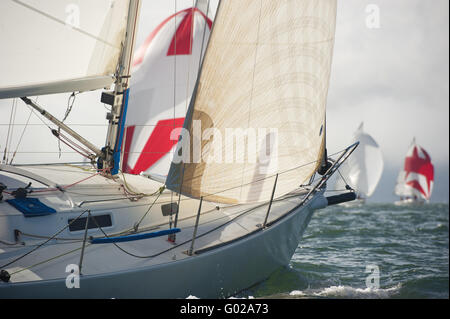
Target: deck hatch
80,223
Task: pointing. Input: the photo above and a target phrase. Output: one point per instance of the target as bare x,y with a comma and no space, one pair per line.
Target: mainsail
362,171
259,104
164,75
417,177
65,46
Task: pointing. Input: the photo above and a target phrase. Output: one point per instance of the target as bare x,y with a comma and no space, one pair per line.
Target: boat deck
218,226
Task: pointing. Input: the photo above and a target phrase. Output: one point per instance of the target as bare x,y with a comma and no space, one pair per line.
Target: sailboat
415,181
214,226
364,168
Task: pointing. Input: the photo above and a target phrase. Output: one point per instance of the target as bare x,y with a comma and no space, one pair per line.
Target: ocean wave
348,292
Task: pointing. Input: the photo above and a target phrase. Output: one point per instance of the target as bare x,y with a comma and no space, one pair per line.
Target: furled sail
65,46
164,75
417,177
362,171
259,104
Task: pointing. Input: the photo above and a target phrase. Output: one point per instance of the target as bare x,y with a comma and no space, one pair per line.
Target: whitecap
348,292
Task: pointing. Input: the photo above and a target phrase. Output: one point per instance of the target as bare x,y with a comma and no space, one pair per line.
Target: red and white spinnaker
416,179
165,70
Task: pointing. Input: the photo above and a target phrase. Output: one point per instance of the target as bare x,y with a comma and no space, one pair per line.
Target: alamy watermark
373,280
72,15
73,279
373,17
233,145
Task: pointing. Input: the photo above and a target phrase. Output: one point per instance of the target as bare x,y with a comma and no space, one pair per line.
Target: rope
136,226
7,243
131,254
128,189
47,237
42,244
70,102
12,123
47,260
63,188
347,186
67,141
187,241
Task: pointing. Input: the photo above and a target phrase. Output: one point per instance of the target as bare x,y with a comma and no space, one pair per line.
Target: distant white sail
65,46
164,74
266,70
363,169
416,179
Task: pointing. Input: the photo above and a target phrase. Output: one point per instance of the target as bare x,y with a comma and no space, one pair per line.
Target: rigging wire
43,243
23,131
70,102
174,98
134,255
136,226
20,139
10,131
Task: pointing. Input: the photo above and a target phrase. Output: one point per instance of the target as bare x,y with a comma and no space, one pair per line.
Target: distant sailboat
415,181
363,170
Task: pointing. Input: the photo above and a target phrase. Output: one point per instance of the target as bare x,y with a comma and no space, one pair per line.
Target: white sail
416,179
363,169
265,74
164,74
65,46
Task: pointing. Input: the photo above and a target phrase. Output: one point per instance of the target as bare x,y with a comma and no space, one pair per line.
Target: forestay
264,81
363,169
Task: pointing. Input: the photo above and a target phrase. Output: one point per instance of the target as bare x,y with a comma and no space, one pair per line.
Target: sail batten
65,46
264,80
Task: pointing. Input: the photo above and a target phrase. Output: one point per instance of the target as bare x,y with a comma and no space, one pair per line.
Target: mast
119,98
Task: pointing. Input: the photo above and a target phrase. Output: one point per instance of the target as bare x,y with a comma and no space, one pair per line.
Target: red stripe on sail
158,145
182,38
415,184
127,144
422,166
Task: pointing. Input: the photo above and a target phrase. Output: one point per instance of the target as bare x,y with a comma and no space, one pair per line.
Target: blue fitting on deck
30,207
119,239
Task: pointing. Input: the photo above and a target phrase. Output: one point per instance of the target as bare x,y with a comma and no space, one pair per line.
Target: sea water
367,251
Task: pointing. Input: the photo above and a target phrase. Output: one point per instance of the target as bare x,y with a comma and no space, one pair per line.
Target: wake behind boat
213,227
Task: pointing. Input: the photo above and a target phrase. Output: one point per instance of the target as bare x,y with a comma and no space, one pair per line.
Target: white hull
235,260
409,202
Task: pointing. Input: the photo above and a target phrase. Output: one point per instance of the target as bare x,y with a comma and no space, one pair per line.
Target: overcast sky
395,79
390,70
